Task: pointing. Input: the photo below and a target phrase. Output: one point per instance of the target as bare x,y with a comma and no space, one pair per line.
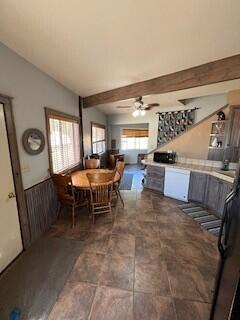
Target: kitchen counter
213,171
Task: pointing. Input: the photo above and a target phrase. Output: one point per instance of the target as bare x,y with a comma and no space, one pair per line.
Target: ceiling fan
139,107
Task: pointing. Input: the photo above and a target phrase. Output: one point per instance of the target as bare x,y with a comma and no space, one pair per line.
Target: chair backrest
92,163
63,186
101,186
94,156
120,165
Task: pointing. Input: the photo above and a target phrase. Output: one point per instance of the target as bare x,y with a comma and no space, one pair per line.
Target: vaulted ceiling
94,46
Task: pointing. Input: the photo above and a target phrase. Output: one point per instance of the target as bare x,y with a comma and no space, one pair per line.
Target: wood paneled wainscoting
42,204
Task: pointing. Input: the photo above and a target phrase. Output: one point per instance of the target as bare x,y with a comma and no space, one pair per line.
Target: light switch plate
25,168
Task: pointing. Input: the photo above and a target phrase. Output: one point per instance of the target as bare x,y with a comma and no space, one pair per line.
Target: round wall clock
33,141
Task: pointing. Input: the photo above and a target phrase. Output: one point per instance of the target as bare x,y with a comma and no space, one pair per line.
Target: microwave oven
164,157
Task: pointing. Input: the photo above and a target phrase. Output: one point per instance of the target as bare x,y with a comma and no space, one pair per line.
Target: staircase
190,130
207,220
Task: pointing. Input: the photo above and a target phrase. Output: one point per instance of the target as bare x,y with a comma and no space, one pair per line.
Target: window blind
134,133
64,143
98,138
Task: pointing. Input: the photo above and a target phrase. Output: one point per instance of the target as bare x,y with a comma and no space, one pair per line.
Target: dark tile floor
34,280
152,262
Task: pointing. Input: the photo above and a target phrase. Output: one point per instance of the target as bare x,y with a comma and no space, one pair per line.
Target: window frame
121,137
133,149
51,113
102,126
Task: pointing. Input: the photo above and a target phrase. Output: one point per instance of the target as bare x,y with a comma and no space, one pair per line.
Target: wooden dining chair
92,163
67,194
120,166
101,187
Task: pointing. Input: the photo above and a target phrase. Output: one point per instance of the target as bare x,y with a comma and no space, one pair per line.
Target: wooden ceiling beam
213,72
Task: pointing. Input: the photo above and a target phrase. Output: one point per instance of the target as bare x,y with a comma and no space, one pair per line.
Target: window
63,141
134,139
98,138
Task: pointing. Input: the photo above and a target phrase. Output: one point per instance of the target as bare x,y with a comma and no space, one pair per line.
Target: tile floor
152,262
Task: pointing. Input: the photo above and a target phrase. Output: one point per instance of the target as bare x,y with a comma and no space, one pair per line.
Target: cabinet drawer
155,183
197,186
216,193
153,171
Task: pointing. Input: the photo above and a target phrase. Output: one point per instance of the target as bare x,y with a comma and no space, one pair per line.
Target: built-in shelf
216,121
220,148
217,139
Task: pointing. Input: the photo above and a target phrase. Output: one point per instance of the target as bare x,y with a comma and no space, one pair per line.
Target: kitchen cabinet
155,184
234,127
216,193
233,139
225,189
197,186
207,190
155,178
212,193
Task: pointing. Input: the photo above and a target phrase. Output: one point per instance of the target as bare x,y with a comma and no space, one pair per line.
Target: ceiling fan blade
149,106
153,104
123,107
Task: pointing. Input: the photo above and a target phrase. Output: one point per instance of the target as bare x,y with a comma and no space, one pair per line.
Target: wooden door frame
6,101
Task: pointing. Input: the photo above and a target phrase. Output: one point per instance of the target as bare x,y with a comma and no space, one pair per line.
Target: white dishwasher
176,183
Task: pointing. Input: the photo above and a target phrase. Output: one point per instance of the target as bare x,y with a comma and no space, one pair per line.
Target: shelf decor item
173,123
217,139
221,116
215,142
33,141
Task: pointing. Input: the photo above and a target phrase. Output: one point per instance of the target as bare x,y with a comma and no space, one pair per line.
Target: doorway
10,233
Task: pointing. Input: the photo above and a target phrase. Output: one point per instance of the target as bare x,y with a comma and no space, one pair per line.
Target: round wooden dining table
80,180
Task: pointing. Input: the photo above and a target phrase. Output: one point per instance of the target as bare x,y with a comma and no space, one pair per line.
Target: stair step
186,205
207,218
193,209
197,214
214,231
211,224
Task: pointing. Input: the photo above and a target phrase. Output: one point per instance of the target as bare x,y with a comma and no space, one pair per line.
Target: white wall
207,105
115,133
32,90
94,115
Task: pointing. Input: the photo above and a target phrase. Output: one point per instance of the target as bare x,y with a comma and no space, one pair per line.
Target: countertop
213,171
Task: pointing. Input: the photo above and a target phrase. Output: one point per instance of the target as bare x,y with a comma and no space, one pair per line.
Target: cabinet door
155,171
212,193
225,189
155,183
155,178
234,129
197,186
233,140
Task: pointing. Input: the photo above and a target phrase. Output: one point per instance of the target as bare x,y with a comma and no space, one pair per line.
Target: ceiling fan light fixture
142,112
135,113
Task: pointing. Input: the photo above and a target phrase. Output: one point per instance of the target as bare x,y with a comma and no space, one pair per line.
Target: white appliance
176,183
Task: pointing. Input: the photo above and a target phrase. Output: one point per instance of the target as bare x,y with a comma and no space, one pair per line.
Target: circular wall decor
33,141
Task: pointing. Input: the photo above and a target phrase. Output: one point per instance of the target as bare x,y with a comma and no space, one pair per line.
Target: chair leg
110,211
118,191
59,210
92,212
89,209
73,216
